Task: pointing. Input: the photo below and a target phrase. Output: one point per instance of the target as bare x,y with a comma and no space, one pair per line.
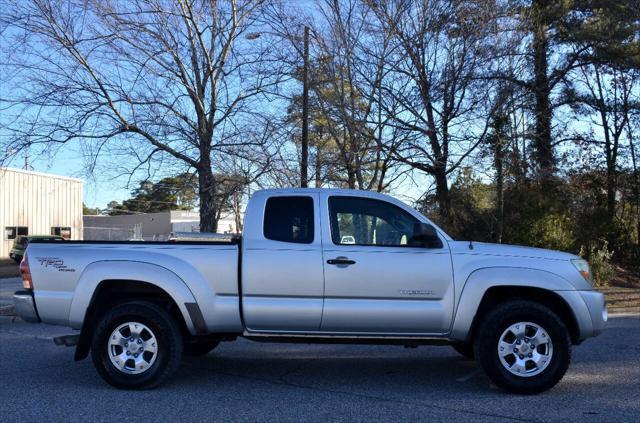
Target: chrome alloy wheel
132,348
525,349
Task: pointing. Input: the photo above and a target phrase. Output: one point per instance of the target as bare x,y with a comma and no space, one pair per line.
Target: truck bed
66,274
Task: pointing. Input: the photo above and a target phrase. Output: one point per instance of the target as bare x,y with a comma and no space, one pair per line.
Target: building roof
46,175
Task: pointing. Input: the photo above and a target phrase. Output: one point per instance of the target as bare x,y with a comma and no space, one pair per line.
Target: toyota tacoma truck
315,266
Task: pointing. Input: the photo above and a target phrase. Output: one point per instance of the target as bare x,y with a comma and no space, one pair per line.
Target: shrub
600,263
553,231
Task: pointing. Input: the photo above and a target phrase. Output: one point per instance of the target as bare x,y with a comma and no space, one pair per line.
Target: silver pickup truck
315,265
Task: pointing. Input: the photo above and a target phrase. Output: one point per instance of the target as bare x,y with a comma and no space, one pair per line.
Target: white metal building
34,203
148,226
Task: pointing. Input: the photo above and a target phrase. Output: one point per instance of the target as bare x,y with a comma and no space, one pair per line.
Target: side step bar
67,340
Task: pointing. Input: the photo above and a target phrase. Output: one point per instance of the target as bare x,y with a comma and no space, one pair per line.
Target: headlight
582,266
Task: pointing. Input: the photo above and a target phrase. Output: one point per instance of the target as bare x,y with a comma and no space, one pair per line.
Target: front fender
153,274
481,280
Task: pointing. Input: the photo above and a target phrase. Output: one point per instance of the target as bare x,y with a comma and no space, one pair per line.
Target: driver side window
364,221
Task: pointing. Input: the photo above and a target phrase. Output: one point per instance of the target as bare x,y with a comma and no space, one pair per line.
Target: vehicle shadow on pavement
394,368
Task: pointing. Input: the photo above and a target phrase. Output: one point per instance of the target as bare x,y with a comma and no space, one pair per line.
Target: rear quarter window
289,219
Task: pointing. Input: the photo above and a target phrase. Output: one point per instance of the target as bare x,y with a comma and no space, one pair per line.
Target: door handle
340,260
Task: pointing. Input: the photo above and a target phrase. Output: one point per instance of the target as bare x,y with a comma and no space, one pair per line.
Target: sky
103,185
99,189
100,186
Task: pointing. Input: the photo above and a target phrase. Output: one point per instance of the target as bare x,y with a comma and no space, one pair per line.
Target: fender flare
99,271
481,280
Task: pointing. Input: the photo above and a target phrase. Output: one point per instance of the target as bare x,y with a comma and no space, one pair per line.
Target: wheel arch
500,294
488,287
95,294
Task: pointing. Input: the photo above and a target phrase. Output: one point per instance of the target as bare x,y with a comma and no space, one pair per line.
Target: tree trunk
611,192
318,168
499,163
206,192
236,211
636,179
351,177
442,193
304,160
542,137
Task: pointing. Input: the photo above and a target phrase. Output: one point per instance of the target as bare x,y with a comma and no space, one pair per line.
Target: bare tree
634,168
157,79
348,92
437,54
349,131
605,95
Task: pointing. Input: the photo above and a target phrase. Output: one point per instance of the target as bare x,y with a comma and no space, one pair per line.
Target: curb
625,313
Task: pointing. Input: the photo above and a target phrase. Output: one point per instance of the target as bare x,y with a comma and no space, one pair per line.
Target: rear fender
156,275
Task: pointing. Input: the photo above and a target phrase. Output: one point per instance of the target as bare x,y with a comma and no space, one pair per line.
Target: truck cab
298,276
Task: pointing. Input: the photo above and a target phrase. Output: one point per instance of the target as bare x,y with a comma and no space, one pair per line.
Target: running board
342,339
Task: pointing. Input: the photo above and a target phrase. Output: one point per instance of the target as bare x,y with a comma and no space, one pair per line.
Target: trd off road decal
55,262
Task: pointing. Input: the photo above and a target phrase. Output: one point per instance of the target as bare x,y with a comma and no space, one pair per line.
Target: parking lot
290,382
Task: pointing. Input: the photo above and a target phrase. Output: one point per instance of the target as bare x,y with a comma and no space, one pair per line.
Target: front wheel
136,346
523,347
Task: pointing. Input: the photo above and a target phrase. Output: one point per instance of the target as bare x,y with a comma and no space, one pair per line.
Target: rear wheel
136,346
523,347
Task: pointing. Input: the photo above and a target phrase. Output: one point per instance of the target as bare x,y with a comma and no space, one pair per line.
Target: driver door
376,278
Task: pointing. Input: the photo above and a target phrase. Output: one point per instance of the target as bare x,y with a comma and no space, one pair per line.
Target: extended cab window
363,221
289,219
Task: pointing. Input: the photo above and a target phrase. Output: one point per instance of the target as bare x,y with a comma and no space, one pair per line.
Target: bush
553,231
600,263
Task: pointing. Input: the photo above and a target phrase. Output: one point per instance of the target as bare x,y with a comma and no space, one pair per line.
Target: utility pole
26,158
304,161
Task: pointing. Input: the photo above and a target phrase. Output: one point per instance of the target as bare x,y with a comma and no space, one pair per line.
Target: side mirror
427,234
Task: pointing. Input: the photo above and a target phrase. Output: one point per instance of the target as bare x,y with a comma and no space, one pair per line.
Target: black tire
507,314
465,349
169,345
197,348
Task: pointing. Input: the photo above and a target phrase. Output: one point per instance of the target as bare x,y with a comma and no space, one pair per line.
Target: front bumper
590,311
26,306
597,307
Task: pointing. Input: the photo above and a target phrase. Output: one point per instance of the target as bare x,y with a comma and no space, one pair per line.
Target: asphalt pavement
247,381
7,287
